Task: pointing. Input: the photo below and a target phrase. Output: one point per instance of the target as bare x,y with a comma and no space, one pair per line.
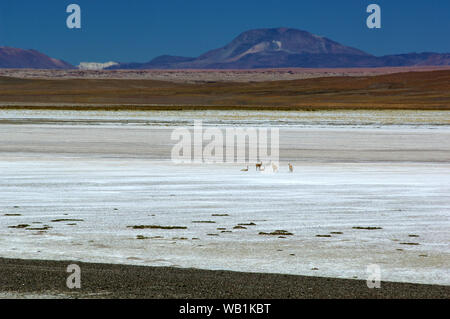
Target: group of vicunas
261,167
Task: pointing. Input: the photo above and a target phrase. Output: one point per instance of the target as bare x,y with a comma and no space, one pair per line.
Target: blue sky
139,30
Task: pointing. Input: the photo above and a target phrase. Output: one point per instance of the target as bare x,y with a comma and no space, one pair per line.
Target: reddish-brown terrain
406,90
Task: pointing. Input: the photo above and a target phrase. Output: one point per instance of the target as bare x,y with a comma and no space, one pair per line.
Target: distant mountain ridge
260,48
19,58
284,48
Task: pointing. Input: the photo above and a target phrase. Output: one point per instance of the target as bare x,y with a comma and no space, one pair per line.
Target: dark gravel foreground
39,277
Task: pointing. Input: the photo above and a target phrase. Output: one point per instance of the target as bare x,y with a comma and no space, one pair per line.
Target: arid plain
86,166
411,88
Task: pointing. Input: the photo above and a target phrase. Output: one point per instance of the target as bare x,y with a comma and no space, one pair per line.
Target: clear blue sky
139,30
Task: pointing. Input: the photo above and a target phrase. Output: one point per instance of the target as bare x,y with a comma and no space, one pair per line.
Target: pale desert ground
79,179
193,76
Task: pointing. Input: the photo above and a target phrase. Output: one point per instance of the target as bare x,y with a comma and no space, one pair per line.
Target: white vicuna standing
274,167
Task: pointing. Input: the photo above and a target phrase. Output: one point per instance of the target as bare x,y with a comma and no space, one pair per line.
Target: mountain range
260,48
11,58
